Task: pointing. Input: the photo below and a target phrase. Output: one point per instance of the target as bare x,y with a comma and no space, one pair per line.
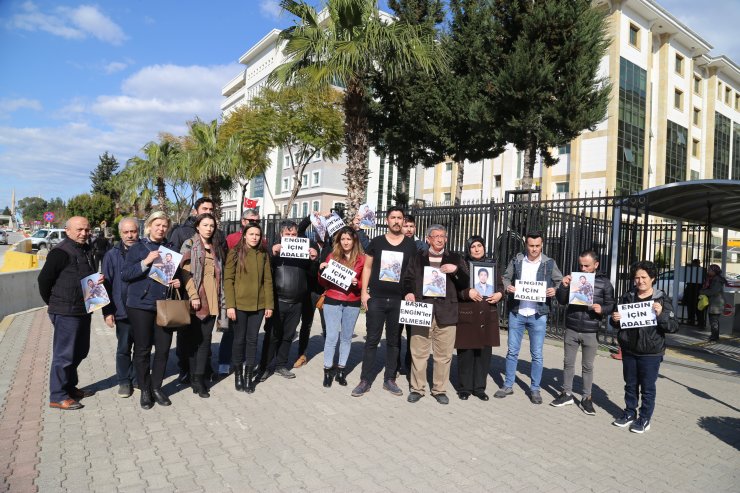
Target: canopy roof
691,201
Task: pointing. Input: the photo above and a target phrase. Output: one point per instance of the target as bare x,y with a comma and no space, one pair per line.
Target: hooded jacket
648,340
548,271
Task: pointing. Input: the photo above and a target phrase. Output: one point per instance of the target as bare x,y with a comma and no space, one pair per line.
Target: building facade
674,115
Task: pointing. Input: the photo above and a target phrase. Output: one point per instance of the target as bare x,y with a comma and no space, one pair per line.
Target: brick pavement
295,435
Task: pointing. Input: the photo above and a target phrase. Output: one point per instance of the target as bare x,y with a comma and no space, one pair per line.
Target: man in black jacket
60,288
290,280
582,322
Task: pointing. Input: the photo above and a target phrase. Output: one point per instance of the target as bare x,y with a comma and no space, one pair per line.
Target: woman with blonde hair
341,306
202,272
249,299
141,306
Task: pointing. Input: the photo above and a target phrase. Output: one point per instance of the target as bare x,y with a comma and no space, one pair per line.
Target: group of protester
247,280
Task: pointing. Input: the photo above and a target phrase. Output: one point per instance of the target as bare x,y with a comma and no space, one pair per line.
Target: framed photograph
483,277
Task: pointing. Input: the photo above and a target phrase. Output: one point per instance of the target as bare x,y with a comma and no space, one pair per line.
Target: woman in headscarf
713,289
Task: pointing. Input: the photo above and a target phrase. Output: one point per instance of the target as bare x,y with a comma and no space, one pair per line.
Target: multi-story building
323,180
674,115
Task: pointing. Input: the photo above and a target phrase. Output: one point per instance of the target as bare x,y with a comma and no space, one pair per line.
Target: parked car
3,237
47,238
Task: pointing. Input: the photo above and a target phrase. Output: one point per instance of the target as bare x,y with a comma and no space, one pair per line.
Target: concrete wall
19,291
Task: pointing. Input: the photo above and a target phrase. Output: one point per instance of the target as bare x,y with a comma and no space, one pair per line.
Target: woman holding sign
341,303
643,318
477,326
249,298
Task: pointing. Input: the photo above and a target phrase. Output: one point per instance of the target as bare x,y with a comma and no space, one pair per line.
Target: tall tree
546,85
101,175
343,48
32,208
304,123
96,208
156,167
6,211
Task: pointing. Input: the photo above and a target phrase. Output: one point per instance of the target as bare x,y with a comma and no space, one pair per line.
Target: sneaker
624,421
564,399
362,388
503,392
587,406
442,398
125,390
284,372
414,397
535,397
390,386
641,425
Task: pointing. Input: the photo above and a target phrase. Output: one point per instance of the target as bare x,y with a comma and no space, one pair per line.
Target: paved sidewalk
295,435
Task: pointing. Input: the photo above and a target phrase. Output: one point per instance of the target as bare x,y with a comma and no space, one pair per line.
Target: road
12,238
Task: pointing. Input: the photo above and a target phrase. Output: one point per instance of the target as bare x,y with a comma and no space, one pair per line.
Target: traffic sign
48,216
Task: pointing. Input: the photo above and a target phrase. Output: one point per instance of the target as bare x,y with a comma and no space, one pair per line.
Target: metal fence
619,228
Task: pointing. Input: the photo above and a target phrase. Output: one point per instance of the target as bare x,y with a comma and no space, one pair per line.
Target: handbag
703,302
320,302
172,313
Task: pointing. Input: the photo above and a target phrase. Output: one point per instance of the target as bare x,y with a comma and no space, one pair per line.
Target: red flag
250,203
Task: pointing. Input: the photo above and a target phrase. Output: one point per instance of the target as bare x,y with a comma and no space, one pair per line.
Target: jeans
70,346
472,368
196,343
407,354
124,365
284,325
590,345
640,374
226,345
307,316
535,325
340,319
246,331
381,311
144,326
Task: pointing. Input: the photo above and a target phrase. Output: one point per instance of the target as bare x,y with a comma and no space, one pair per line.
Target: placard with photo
163,270
390,266
483,278
93,293
367,217
582,288
434,283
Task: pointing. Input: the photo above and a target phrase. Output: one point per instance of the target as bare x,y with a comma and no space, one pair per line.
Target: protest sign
95,295
338,274
293,247
582,288
163,269
319,226
415,313
367,216
334,223
639,314
530,290
434,283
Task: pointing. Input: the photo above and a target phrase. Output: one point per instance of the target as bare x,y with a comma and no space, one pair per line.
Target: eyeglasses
437,237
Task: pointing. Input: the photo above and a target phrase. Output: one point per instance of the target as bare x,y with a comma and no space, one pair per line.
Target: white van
47,238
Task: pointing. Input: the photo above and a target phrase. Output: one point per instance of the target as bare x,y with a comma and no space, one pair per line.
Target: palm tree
158,166
342,45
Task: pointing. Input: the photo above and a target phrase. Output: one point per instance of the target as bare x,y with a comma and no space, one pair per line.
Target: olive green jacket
249,289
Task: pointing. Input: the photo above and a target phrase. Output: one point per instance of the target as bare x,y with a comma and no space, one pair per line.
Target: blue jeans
71,343
535,325
124,365
640,374
339,320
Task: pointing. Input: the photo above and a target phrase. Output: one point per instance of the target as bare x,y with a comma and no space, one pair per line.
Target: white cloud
10,105
271,9
113,67
154,99
71,23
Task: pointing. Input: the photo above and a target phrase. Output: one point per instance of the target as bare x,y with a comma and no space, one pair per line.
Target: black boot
342,377
239,378
328,377
199,386
249,380
146,400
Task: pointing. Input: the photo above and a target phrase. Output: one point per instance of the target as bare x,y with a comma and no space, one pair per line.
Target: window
448,166
286,184
564,149
737,101
304,180
304,209
697,85
678,99
679,64
635,36
286,162
294,210
497,181
695,148
694,175
719,90
675,162
317,156
316,206
562,187
285,210
697,117
315,178
722,131
728,95
447,197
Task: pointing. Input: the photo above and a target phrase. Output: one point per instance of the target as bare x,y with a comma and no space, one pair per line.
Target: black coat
59,280
445,309
582,318
647,340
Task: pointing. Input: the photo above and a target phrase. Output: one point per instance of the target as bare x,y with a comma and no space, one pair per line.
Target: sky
78,79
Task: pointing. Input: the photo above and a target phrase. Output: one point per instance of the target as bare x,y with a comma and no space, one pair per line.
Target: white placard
582,288
163,269
530,290
434,283
636,314
334,223
367,216
338,274
294,247
415,313
319,226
